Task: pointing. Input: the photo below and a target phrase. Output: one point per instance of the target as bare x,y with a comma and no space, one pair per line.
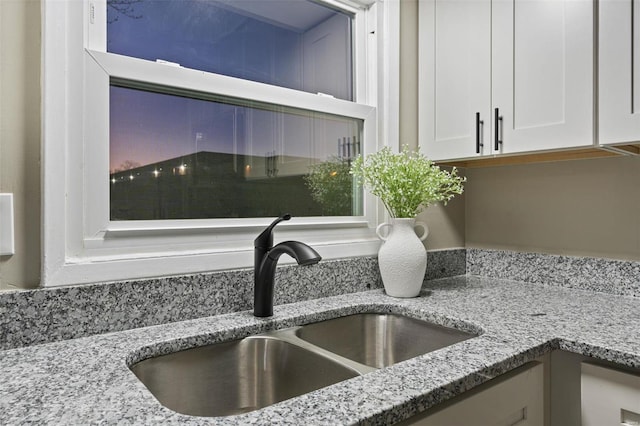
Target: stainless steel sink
235,377
379,340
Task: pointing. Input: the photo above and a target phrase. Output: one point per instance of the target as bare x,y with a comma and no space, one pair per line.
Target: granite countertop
86,380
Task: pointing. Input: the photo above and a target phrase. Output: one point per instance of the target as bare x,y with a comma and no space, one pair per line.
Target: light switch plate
6,225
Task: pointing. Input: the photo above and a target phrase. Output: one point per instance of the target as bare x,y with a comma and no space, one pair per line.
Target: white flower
406,182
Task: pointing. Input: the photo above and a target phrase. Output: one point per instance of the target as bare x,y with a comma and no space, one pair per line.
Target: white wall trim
389,62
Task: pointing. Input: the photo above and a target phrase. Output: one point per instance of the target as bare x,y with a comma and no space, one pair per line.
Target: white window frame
81,244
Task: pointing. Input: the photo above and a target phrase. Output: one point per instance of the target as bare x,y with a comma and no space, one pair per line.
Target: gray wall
20,136
582,207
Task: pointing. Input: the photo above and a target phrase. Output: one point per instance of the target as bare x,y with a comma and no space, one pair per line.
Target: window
198,121
176,157
299,44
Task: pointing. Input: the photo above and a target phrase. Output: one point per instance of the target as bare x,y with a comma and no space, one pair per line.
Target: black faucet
265,260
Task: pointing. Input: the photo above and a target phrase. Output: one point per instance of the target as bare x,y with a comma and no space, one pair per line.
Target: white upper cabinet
455,78
525,66
619,71
543,74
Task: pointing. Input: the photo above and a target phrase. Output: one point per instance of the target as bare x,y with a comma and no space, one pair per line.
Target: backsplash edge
619,277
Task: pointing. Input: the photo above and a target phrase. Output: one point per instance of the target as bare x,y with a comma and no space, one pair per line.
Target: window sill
172,261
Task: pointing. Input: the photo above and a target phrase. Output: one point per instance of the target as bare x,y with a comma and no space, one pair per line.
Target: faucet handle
265,239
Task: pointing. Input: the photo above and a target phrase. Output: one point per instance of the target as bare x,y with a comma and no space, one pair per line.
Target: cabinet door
516,400
542,77
609,397
619,71
454,77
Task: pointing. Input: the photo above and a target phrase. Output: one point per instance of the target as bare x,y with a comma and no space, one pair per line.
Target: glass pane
297,44
176,157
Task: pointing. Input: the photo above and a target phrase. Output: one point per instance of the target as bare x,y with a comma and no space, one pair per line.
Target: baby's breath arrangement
406,182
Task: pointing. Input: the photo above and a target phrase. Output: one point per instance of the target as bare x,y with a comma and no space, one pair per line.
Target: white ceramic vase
402,257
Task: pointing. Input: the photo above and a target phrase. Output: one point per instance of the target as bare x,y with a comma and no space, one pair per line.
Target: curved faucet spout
302,253
265,272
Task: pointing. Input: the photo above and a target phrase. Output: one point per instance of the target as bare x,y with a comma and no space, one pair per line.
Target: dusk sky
149,127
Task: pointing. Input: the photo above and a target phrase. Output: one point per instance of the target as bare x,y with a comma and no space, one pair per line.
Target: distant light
156,173
130,177
113,180
180,170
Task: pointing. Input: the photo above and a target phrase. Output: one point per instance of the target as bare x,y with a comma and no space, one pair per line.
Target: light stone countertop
87,381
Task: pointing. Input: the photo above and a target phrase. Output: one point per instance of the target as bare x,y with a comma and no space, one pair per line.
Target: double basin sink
243,375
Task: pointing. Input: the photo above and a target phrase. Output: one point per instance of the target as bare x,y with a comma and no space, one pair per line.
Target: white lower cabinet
516,398
609,397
